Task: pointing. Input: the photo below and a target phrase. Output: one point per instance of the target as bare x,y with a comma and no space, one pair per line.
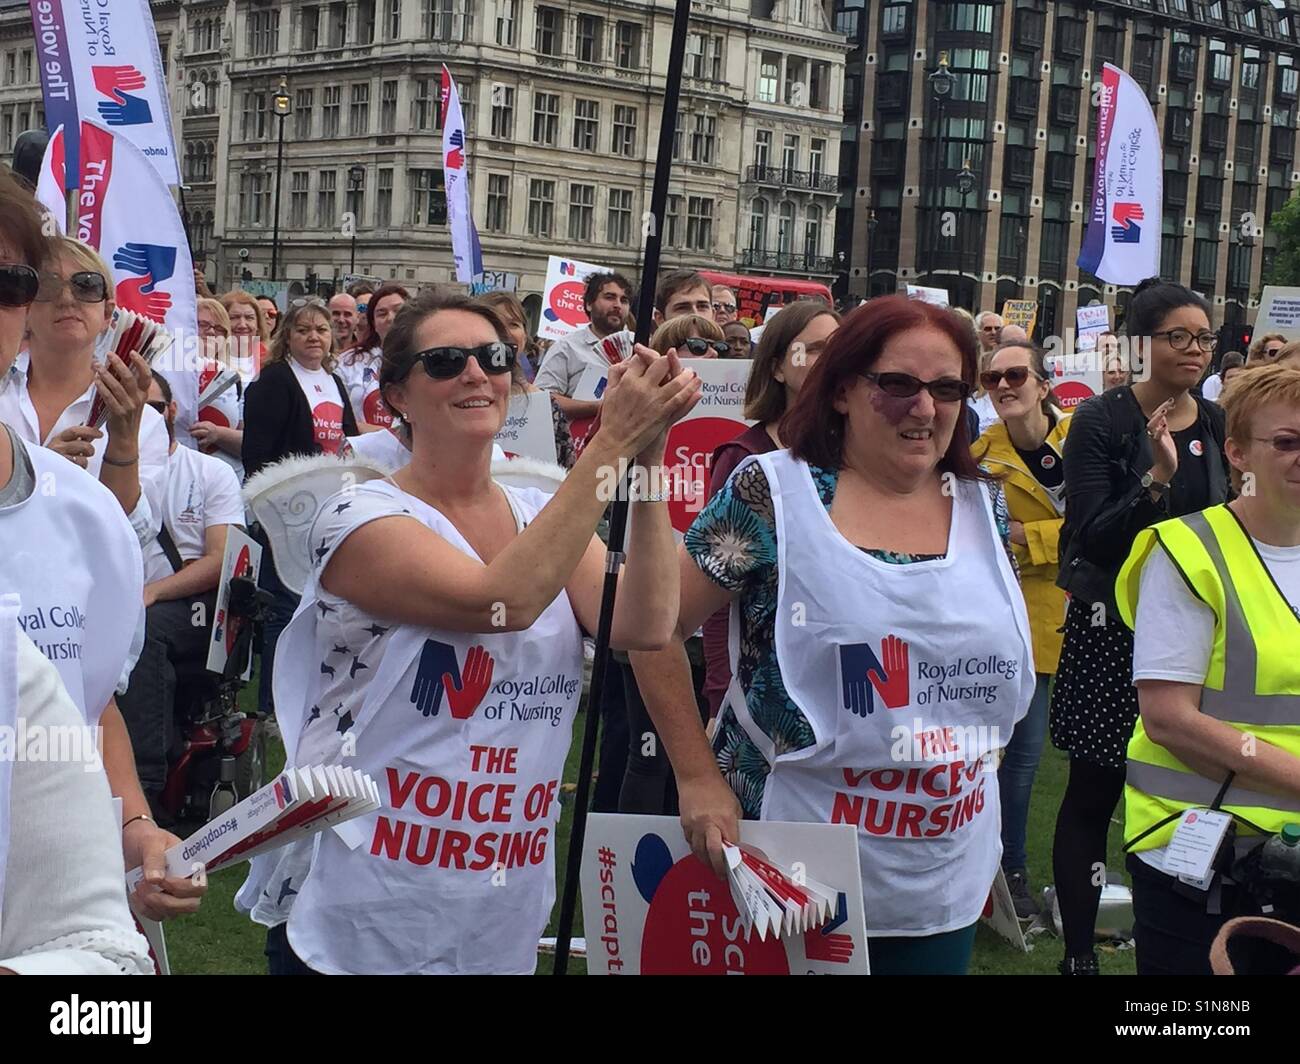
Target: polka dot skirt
1094,703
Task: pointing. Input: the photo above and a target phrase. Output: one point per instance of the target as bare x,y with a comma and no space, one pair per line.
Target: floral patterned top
733,540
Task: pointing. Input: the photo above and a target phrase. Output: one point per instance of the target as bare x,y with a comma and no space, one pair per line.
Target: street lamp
942,81
966,181
281,107
356,175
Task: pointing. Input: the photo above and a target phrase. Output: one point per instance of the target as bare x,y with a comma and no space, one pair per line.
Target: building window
619,228
582,212
816,156
763,148
546,118
365,21
971,67
388,108
264,32
717,52
785,229
893,20
758,225
357,199
627,45
966,18
302,113
428,197
769,73
696,43
541,207
672,222
790,155
699,223
254,199
384,199
548,36
703,139
309,34
255,116
812,232
326,216
298,199
393,20
624,139
338,25
591,31
330,107
424,106
507,13
586,116
498,203
503,112
442,23
359,112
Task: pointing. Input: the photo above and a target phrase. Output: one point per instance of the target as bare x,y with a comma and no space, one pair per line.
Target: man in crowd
343,319
724,304
682,292
182,567
607,301
989,327
737,339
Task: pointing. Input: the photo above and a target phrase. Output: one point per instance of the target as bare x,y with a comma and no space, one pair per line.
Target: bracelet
138,816
660,496
121,464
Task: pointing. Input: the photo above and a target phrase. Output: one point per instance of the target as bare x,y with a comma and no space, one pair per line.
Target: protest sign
1279,311
650,907
1092,322
1021,312
529,430
562,310
937,296
243,557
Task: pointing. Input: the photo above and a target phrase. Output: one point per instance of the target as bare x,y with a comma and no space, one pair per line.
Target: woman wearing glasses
54,382
359,365
219,424
881,654
440,651
1024,449
691,336
1135,455
1220,708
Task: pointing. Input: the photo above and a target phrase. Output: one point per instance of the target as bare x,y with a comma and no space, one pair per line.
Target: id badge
1195,843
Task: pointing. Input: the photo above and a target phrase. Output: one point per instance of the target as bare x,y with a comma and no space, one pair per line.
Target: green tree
1285,268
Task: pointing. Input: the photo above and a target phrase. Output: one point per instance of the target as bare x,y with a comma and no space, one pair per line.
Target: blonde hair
676,331
84,257
1247,393
217,309
280,344
1289,355
243,299
1256,352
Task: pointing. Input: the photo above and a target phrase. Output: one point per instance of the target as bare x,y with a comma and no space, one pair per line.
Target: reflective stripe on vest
1187,787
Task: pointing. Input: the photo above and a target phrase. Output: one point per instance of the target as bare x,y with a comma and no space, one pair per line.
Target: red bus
755,294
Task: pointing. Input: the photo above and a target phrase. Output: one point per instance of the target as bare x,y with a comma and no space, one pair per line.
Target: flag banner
1122,242
52,180
651,907
562,310
455,168
102,63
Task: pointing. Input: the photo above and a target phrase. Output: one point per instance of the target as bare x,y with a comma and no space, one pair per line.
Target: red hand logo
152,305
113,81
475,677
1124,212
893,659
835,948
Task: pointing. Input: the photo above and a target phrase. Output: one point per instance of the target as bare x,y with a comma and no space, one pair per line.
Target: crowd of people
911,500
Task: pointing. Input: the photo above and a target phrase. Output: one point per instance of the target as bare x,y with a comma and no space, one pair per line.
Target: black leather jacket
1106,454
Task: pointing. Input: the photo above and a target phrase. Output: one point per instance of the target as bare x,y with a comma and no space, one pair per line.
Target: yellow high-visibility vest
1253,679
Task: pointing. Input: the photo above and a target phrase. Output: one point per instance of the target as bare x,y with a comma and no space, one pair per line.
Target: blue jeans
943,954
278,615
1016,776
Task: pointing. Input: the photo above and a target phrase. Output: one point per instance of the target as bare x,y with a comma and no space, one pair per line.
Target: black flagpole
618,515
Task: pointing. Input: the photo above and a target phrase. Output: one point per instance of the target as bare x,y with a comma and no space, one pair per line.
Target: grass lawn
219,940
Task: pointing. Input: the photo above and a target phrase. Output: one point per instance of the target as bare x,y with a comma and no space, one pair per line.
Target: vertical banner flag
455,169
1122,242
126,212
52,180
101,62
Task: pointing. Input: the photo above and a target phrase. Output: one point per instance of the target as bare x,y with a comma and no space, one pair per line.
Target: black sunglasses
1016,376
444,363
904,386
699,346
18,284
87,287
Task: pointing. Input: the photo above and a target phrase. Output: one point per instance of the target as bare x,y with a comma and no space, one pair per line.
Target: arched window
812,232
785,229
758,225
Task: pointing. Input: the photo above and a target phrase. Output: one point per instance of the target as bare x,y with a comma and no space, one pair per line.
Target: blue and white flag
1122,243
460,219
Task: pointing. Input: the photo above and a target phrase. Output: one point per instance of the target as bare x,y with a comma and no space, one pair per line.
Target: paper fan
618,346
129,332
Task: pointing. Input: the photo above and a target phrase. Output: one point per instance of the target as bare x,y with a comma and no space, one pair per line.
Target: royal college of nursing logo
439,672
864,675
121,108
1126,216
151,265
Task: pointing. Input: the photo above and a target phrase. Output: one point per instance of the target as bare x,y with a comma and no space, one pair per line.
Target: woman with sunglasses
882,651
439,650
691,336
1135,455
1024,449
1220,704
53,384
219,425
359,365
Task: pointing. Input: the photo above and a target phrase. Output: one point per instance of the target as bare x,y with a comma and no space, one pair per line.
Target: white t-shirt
360,374
384,449
201,492
568,359
322,393
1173,632
227,411
1212,387
985,411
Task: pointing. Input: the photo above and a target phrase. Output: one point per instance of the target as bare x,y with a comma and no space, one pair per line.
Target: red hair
814,430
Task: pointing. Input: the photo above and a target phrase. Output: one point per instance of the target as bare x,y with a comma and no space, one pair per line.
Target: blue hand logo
157,262
436,660
856,661
133,111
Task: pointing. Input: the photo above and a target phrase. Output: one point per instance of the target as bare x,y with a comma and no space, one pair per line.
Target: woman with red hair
880,652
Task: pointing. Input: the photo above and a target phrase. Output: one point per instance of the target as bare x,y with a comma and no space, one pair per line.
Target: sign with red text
562,310
650,907
243,557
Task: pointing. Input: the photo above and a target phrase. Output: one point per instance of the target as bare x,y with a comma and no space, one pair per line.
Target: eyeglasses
700,347
904,386
211,328
1016,376
444,363
725,308
18,284
87,287
298,304
1181,339
1281,444
158,405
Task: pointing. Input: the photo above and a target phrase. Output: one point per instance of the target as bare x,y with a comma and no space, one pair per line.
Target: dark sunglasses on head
87,287
18,284
444,363
1016,376
298,304
698,346
904,386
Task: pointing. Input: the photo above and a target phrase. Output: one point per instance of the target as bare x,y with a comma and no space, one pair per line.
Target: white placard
1279,312
937,296
530,428
243,557
562,310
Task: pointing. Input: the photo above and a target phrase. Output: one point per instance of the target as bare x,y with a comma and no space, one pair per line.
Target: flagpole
618,515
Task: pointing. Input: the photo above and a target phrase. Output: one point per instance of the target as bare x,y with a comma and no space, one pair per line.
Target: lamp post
282,107
942,80
356,175
966,180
